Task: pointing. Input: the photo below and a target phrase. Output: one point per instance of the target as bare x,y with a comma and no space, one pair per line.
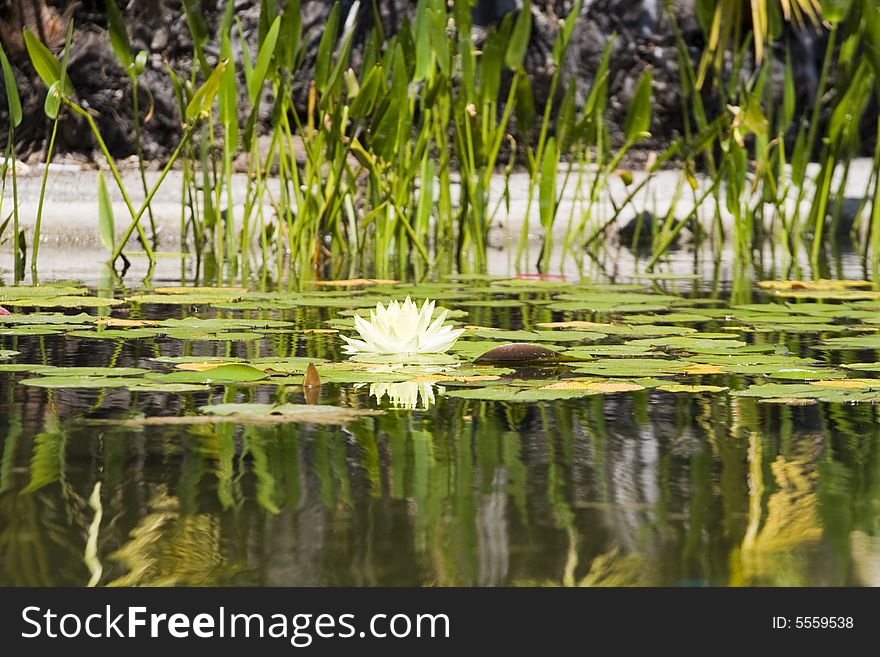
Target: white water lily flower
402,328
408,394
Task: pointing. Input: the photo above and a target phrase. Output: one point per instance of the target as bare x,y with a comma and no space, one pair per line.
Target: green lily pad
740,359
219,324
630,298
115,334
232,373
805,374
178,299
773,318
235,336
31,330
633,367
537,336
21,367
91,371
64,302
688,389
750,352
90,382
689,343
170,388
310,413
800,391
48,319
852,342
863,367
294,365
203,290
588,352
669,318
405,359
517,395
605,307
809,329
174,360
39,291
489,303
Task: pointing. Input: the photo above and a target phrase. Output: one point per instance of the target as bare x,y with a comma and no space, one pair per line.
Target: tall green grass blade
13,100
198,29
547,199
106,225
261,68
203,98
228,95
519,38
119,36
325,48
638,117
289,36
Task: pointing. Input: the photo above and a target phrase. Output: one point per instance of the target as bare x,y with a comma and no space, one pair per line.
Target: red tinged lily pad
518,353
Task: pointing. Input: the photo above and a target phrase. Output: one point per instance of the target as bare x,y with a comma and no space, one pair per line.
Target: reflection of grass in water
782,525
170,549
41,540
616,568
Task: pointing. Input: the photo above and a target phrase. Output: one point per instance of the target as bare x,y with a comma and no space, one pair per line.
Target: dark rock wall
643,37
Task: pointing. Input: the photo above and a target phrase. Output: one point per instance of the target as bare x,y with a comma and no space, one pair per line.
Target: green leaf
229,95
439,42
232,373
364,101
547,185
567,26
12,98
119,36
566,127
422,38
789,95
289,35
140,62
525,105
847,115
106,226
870,35
325,48
267,50
45,63
52,104
834,11
519,39
638,118
204,97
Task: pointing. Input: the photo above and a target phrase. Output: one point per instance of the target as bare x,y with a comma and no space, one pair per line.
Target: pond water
673,439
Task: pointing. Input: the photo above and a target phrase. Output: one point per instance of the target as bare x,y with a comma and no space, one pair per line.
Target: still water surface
633,488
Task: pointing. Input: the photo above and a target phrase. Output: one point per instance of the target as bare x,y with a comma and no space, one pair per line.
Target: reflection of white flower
401,328
408,394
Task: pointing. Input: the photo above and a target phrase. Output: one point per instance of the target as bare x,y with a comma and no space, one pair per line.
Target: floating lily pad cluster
523,341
